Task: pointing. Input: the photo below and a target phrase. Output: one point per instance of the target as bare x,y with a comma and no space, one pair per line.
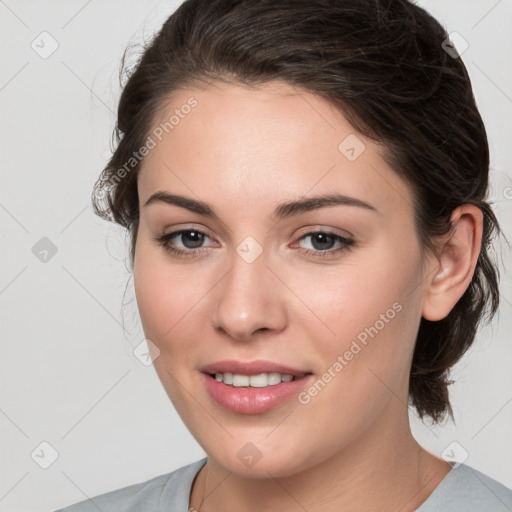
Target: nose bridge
247,301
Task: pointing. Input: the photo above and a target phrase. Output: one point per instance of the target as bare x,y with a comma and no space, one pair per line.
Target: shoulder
164,492
466,489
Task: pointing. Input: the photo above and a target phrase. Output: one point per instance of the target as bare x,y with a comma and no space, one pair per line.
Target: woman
305,188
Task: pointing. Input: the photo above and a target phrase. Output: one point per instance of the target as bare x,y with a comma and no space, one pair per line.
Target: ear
455,265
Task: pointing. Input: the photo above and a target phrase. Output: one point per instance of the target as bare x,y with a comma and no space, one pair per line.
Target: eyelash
163,240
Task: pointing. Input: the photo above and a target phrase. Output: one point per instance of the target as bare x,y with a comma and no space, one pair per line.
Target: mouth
253,387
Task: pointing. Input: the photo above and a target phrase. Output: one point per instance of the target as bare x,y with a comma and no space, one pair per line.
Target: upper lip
250,367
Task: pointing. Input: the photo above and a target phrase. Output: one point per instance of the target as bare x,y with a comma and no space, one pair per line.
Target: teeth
240,380
261,380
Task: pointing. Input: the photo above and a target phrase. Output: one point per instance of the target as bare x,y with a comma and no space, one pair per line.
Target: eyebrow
282,211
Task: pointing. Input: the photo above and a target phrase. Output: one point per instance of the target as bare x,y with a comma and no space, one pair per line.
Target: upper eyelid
177,231
329,231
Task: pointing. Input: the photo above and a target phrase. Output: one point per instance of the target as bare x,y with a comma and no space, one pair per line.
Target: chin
251,462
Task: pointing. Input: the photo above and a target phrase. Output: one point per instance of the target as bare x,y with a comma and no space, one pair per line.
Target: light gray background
68,375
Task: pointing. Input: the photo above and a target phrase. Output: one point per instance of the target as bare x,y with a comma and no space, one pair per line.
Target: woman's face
341,305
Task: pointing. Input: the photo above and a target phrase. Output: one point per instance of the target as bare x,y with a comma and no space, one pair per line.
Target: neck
385,469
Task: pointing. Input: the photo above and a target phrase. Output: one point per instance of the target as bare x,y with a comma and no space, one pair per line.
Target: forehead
263,145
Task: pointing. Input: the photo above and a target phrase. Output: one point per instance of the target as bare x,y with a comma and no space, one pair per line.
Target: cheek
167,299
169,304
364,343
366,312
354,296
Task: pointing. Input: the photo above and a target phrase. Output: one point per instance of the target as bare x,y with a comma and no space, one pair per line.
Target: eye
191,241
324,244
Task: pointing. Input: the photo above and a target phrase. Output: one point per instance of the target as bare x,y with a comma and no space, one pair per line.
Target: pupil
193,236
323,240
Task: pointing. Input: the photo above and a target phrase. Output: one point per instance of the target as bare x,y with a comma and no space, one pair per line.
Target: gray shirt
462,490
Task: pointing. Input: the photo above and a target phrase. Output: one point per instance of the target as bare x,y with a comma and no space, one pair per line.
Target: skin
350,447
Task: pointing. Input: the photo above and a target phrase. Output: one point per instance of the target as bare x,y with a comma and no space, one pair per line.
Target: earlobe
455,264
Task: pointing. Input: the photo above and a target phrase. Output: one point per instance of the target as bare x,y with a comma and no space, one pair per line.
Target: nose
249,299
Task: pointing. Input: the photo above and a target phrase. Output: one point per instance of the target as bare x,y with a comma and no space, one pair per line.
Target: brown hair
382,64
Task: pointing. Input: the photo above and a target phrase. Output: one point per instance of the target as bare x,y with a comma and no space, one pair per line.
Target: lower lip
247,400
